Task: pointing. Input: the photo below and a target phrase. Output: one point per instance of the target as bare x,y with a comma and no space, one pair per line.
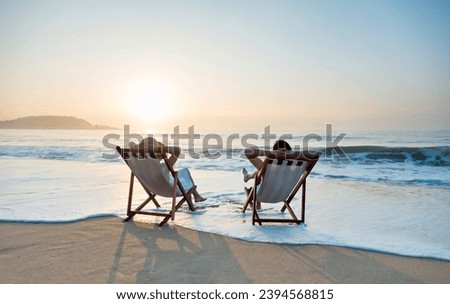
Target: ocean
386,191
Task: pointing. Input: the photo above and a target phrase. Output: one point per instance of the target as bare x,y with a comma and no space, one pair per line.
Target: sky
228,65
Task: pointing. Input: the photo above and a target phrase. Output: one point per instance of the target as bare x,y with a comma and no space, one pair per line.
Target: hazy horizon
382,65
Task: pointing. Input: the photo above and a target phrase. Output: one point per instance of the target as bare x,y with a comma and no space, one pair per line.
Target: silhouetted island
51,122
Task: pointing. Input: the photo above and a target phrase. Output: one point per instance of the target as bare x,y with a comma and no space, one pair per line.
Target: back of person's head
281,145
149,145
149,142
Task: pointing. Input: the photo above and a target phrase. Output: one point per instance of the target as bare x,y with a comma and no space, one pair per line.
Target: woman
159,150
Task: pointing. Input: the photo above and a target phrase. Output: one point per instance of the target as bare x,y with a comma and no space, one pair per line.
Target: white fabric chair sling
150,174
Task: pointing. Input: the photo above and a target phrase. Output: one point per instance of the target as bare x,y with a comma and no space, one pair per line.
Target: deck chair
279,180
148,172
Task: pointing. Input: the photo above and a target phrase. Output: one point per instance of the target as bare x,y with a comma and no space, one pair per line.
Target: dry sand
105,250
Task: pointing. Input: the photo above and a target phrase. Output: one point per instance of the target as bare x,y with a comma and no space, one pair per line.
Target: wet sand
106,250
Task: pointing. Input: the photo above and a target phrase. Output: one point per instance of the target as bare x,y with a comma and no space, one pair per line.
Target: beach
380,216
363,85
106,250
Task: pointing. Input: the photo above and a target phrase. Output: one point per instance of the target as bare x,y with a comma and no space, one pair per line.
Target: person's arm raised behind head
254,152
253,155
293,155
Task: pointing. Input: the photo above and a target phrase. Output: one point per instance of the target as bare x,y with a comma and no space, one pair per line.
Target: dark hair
281,144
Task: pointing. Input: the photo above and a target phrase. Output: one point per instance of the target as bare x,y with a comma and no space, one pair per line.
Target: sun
150,101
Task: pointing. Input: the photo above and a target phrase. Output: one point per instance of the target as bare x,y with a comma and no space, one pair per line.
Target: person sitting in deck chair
281,173
150,144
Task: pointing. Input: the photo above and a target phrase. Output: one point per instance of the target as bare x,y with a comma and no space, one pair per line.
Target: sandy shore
105,250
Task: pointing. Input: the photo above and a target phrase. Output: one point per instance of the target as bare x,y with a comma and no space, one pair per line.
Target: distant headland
51,122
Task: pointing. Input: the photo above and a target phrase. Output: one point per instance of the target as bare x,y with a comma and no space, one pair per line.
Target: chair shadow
147,253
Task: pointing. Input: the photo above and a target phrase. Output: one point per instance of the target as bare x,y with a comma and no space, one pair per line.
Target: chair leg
249,192
187,196
256,205
303,202
130,195
155,201
174,196
177,206
132,213
294,217
165,220
255,216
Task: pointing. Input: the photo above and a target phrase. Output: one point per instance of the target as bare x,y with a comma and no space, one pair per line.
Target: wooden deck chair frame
252,197
170,214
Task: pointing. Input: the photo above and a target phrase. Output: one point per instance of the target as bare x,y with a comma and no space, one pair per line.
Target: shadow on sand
171,255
